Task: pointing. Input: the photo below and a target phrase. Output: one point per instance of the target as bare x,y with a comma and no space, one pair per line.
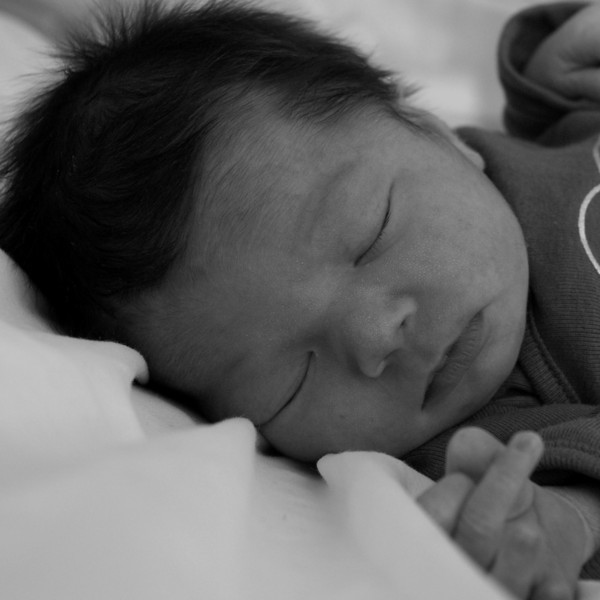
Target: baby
265,216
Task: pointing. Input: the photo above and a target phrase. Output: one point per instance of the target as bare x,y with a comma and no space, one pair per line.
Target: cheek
473,244
440,257
503,256
347,418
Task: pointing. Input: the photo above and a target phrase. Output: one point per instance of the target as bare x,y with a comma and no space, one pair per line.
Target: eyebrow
322,203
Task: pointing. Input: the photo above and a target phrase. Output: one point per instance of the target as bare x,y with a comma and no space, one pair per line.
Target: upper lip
439,365
464,347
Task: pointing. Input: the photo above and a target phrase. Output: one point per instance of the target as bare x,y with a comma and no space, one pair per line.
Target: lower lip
460,357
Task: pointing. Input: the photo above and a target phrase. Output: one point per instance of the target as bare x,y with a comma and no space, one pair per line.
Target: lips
457,361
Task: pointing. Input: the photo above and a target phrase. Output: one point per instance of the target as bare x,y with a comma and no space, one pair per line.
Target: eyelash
300,385
375,243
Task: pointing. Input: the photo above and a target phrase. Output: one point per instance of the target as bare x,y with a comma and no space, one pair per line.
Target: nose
373,331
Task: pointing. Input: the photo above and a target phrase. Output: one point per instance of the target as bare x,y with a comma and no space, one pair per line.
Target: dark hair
101,169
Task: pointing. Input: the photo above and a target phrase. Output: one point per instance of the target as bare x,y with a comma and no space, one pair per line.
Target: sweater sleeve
532,111
571,434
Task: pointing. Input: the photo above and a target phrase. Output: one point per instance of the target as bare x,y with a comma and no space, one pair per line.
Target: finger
471,451
491,503
522,503
517,562
443,501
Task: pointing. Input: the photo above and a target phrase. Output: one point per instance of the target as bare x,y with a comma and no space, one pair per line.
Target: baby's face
377,297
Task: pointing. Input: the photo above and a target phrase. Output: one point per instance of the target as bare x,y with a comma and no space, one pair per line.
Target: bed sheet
110,491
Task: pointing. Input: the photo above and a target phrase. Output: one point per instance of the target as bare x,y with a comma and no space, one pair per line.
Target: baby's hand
568,61
529,539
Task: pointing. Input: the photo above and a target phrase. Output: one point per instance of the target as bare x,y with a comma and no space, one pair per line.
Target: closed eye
295,393
375,243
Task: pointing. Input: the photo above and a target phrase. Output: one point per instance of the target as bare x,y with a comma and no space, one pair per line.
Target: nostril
373,368
408,318
373,333
379,370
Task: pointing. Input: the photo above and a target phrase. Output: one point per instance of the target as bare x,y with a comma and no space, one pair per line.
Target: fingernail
525,441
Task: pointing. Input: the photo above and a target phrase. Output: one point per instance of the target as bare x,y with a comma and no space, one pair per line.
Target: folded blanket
62,398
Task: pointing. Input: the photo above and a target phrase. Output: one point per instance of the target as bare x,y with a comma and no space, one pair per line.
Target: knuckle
526,536
460,480
476,525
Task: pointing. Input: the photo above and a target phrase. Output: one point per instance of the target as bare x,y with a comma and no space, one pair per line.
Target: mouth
456,362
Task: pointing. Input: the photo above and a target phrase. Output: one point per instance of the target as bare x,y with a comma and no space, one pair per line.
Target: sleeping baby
284,236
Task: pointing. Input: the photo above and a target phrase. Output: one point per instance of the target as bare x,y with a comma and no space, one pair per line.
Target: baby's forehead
268,163
264,127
